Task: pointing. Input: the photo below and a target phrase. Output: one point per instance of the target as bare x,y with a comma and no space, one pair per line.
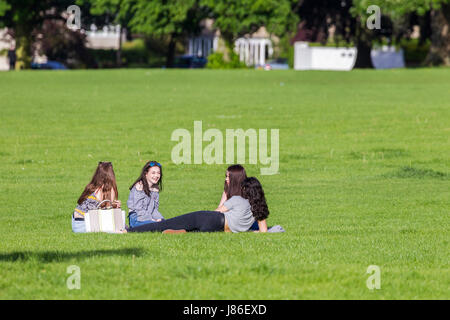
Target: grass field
364,180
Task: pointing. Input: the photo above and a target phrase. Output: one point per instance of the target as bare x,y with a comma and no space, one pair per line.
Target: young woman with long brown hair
234,177
143,202
102,187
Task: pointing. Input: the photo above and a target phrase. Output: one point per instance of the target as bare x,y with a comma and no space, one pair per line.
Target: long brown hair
237,175
143,179
104,178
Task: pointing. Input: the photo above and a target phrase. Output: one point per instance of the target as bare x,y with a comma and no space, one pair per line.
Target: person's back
90,203
102,187
239,215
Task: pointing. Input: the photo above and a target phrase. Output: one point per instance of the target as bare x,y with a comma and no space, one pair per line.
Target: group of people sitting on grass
242,207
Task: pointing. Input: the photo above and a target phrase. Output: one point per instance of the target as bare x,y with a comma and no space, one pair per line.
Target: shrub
415,53
135,54
216,61
58,43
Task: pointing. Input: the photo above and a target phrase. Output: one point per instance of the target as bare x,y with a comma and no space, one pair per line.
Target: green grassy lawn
364,180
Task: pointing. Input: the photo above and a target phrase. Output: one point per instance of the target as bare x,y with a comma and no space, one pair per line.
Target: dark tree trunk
363,46
171,53
425,28
363,58
439,53
23,47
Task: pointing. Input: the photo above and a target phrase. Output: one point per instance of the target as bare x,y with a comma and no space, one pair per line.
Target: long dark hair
253,191
143,179
104,178
237,175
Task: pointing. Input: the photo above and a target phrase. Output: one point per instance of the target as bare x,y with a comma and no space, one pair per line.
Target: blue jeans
254,227
78,226
133,221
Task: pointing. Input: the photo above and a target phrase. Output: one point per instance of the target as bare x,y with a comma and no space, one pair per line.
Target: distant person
237,214
234,177
102,187
12,58
143,201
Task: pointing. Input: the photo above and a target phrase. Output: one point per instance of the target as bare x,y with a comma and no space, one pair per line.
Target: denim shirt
146,207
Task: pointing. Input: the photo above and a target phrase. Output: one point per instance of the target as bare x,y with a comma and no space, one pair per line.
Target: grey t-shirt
146,207
239,215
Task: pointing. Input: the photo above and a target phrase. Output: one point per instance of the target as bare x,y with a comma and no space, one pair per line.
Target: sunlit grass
364,180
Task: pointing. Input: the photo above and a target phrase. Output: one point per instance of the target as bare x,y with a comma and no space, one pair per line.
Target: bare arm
222,209
115,203
222,201
262,226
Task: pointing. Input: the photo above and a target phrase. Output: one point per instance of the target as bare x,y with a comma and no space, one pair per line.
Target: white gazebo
253,51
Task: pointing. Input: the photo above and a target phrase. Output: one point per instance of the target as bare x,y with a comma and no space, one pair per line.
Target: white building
6,42
105,38
203,46
252,49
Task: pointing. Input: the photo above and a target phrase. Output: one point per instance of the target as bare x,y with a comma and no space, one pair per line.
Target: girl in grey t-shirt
239,215
234,177
143,202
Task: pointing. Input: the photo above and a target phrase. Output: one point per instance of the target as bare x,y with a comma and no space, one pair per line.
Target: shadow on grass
57,256
415,173
379,154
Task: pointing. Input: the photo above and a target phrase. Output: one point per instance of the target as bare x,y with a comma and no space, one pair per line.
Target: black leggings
203,221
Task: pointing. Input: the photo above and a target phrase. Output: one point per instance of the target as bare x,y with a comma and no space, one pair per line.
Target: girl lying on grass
143,202
102,187
234,177
237,214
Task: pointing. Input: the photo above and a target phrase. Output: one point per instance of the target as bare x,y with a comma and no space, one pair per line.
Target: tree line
177,19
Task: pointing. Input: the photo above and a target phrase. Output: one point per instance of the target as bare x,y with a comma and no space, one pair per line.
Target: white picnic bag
105,220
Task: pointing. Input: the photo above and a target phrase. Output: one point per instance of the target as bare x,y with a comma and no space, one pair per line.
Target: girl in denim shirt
143,202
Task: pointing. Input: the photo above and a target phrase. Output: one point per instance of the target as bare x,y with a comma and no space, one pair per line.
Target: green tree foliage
236,18
172,19
396,9
23,17
111,11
